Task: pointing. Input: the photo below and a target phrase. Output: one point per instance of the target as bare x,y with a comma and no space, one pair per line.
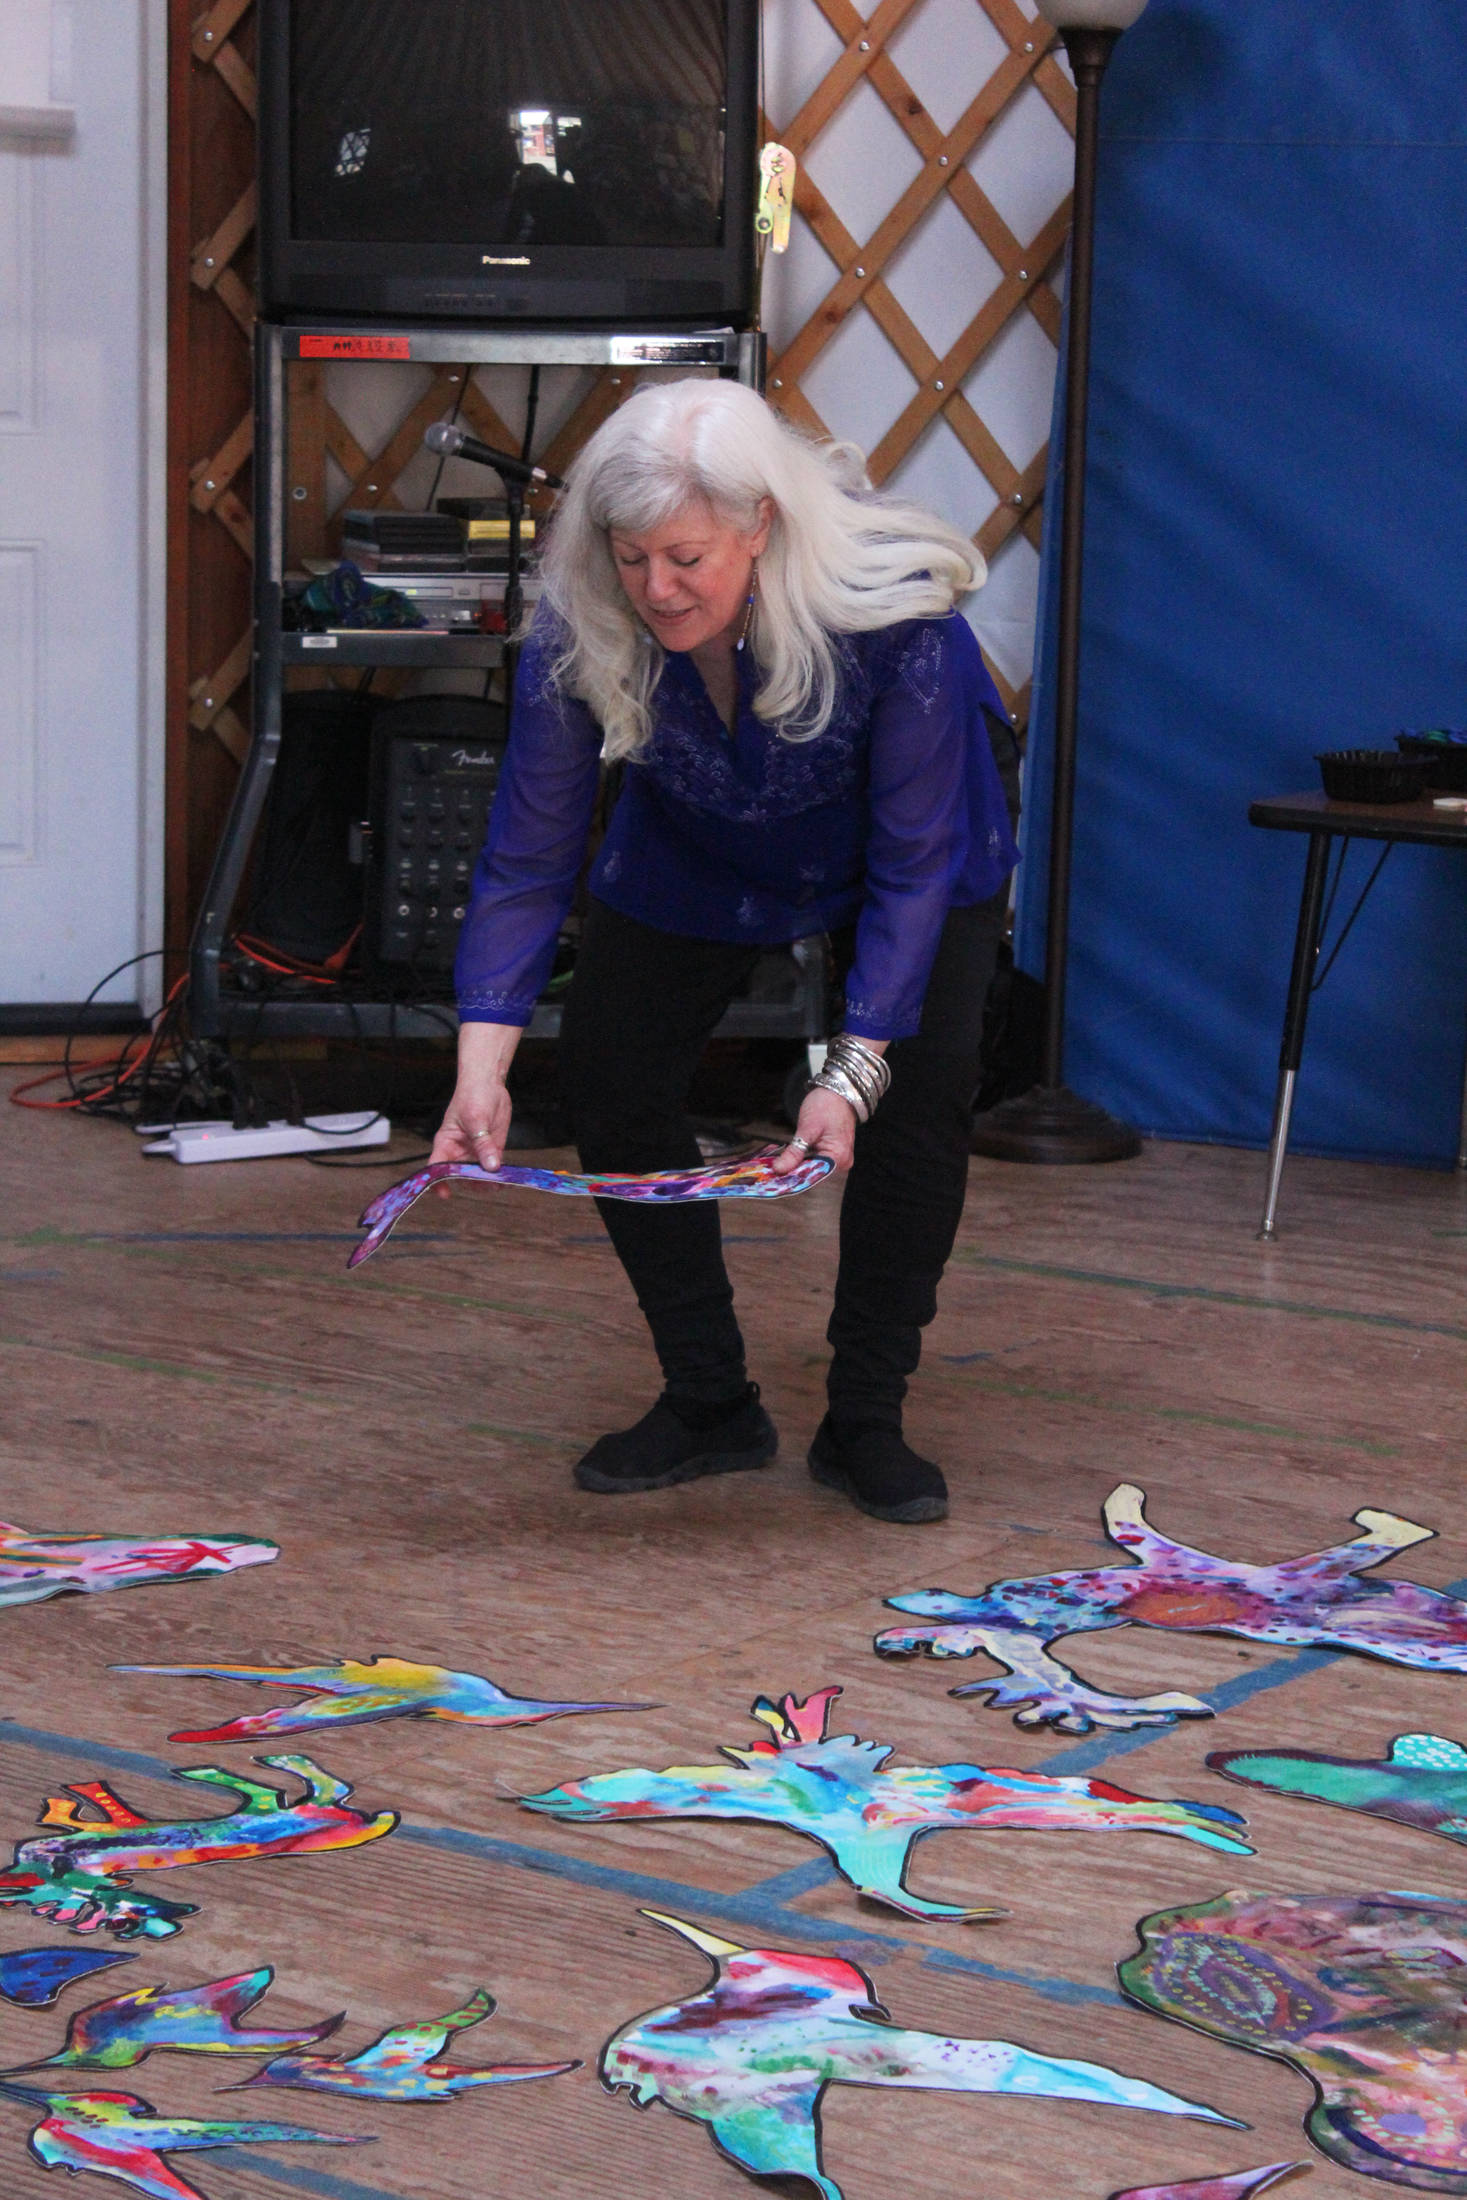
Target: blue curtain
1276,512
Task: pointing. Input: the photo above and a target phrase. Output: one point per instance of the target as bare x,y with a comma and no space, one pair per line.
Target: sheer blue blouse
890,817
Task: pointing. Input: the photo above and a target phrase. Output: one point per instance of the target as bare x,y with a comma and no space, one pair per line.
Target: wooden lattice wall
212,198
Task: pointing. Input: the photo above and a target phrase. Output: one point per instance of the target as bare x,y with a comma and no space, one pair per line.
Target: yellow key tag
776,195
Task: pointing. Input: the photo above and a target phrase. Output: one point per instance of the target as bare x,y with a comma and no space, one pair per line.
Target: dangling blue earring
749,607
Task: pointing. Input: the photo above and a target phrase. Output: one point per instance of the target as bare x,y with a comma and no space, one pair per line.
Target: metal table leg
1296,1015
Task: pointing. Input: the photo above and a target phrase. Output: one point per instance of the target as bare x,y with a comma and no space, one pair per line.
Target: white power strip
222,1142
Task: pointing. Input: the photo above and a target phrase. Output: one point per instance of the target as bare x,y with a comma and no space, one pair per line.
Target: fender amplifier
434,767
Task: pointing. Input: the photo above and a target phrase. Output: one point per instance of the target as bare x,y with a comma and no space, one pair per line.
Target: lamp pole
1050,1123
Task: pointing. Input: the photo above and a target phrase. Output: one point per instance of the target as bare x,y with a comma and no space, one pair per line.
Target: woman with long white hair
808,732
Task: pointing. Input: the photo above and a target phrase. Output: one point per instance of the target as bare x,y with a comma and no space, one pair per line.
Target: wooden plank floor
182,1349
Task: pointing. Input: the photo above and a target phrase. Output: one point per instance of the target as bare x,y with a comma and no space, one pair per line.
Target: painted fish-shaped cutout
80,1873
840,1791
34,1977
118,2135
405,2064
1422,1783
192,2020
33,1567
1319,1598
354,1693
750,1177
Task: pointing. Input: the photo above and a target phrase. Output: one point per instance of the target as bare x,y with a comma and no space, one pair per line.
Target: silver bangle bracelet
832,1079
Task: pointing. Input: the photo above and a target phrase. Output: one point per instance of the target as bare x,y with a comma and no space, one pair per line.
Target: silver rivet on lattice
778,384
1018,496
860,270
1023,274
299,494
939,385
1028,45
865,46
208,263
208,484
942,160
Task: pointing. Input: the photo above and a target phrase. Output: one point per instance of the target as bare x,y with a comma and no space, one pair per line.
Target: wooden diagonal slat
233,516
211,691
961,358
863,42
215,25
1019,504
215,253
212,476
607,391
231,65
238,301
375,481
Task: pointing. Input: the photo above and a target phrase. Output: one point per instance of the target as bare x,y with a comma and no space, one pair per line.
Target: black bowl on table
1445,761
1371,775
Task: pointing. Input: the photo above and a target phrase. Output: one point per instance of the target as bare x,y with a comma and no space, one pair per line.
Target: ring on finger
800,1145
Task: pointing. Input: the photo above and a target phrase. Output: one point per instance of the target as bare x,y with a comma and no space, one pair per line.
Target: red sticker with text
356,347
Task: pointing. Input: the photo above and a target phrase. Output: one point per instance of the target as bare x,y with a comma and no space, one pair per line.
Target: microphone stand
514,594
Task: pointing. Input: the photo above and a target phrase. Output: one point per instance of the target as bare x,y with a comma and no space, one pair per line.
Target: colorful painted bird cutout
352,1693
33,1567
751,2056
118,2135
1316,1599
1422,1783
750,1176
837,1789
1241,2186
190,2020
404,2065
1362,1993
79,1874
34,1977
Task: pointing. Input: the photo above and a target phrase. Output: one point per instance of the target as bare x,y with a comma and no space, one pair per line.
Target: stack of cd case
464,535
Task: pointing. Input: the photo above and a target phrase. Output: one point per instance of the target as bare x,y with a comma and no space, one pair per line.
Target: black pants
640,1010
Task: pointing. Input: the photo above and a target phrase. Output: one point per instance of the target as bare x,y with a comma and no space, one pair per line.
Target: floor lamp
1049,1122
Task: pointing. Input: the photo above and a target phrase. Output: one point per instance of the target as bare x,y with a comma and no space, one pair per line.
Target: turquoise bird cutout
190,2020
404,2065
118,2135
1422,1783
356,1692
868,1814
751,2057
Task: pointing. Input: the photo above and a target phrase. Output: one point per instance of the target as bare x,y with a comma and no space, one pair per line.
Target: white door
81,488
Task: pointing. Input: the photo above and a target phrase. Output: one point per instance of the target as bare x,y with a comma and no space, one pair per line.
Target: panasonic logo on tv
495,259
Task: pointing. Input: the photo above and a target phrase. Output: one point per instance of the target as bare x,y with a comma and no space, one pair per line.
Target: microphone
452,442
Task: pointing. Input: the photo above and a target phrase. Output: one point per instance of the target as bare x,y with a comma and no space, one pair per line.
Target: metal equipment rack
218,1008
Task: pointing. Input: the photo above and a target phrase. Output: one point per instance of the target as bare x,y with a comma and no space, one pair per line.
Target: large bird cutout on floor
191,2020
1318,1599
354,1693
404,2064
79,1874
751,2056
33,1567
840,1791
751,1176
118,2135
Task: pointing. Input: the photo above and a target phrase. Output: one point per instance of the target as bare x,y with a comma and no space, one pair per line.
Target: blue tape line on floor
751,1909
320,2183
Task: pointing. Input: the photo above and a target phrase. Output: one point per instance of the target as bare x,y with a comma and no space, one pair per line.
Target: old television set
509,160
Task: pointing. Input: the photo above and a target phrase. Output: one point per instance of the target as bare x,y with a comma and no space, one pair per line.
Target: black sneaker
879,1473
662,1448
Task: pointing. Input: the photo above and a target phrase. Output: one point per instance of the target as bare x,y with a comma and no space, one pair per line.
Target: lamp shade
1091,15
